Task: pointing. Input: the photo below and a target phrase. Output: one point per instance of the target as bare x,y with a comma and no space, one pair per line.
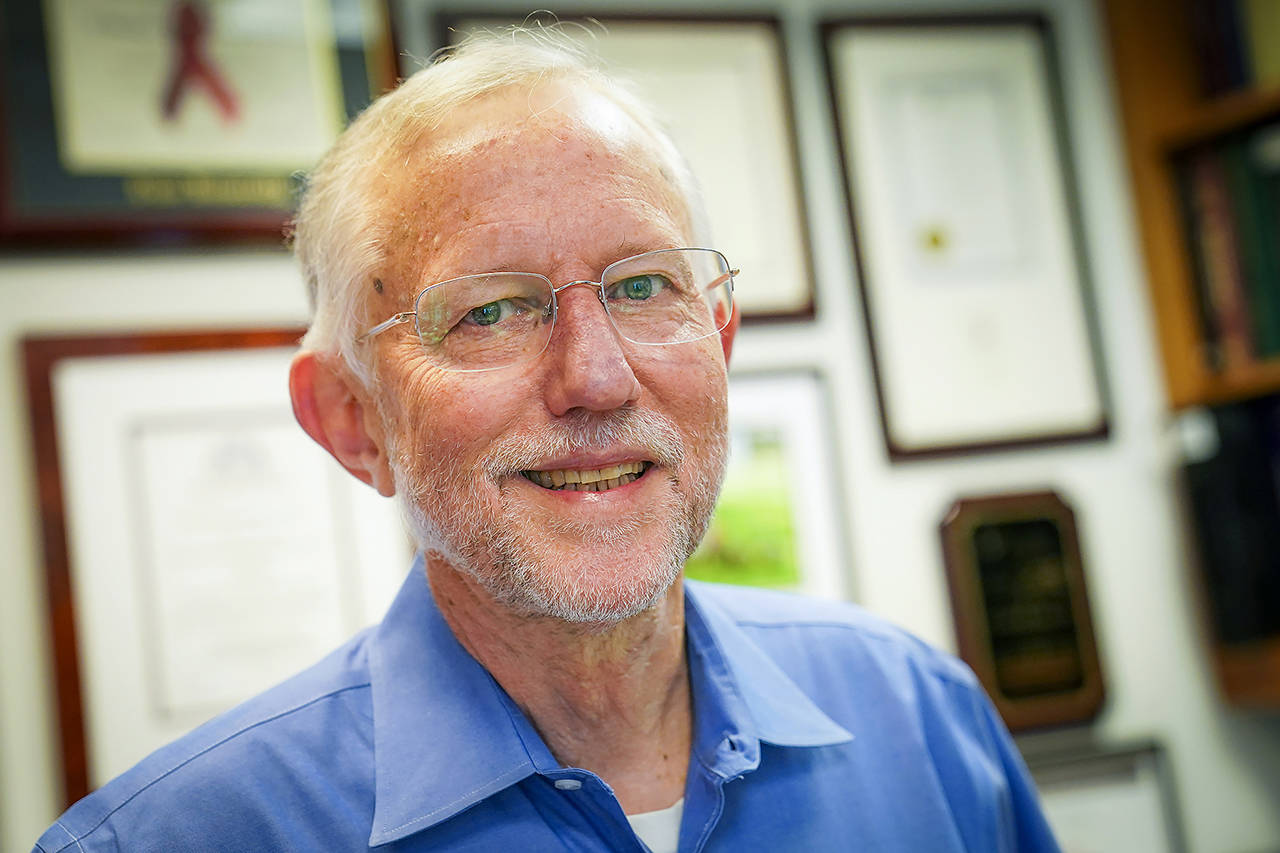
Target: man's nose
587,367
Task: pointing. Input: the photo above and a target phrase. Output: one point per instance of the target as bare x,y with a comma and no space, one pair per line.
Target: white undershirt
659,830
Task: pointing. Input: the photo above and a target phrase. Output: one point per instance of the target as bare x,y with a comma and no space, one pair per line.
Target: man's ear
330,404
728,332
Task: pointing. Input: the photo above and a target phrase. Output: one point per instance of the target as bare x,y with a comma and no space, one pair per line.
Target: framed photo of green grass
777,524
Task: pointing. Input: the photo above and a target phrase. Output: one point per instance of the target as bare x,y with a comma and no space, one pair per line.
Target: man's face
562,184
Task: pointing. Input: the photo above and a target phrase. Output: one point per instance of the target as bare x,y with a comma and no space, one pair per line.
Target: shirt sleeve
58,838
1030,828
993,799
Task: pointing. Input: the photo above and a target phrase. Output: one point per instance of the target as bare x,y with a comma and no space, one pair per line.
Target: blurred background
1012,295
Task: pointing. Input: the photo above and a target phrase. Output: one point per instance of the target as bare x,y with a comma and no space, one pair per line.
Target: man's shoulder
219,777
922,730
789,625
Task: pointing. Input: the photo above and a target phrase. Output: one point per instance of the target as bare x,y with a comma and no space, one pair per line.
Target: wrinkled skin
562,192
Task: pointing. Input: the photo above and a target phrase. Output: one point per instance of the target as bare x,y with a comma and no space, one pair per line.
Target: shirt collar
446,735
443,736
741,697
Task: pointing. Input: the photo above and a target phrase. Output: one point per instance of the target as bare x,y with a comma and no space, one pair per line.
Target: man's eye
490,312
638,287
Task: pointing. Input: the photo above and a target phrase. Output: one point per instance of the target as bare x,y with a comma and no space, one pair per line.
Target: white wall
1227,762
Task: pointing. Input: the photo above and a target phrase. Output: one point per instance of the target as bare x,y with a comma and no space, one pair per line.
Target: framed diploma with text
720,88
966,232
199,547
1021,609
172,119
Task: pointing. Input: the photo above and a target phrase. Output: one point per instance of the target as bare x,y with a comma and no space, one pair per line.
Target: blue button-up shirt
817,727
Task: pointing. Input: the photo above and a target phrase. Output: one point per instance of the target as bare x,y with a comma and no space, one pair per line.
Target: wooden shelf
1250,674
1160,96
1237,383
1215,117
1161,101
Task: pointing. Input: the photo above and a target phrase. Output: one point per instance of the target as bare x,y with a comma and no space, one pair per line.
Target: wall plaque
1021,608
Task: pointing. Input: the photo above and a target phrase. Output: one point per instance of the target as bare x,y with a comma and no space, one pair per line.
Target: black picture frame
43,202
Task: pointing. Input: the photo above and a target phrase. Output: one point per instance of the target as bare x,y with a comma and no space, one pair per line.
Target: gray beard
448,518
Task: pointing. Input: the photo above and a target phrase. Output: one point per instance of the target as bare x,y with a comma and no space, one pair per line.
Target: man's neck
614,700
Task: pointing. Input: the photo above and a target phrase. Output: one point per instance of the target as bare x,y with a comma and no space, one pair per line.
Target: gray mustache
578,431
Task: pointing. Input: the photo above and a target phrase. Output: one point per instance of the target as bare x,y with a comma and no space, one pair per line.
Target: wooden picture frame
966,231
721,84
1021,608
174,122
123,429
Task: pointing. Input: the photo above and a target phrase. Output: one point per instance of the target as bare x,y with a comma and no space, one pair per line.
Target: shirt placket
599,809
704,791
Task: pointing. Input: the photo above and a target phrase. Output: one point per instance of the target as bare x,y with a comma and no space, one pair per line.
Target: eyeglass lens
480,322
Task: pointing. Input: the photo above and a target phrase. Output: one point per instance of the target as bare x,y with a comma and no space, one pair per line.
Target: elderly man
513,335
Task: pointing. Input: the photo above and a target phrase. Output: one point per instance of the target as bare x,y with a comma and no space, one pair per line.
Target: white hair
340,232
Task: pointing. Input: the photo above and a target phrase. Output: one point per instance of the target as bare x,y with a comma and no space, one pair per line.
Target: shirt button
568,784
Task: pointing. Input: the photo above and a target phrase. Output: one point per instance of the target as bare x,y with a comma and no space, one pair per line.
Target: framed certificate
198,546
168,119
778,521
1110,800
966,232
720,86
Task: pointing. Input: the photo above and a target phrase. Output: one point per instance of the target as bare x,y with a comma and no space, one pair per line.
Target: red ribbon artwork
192,66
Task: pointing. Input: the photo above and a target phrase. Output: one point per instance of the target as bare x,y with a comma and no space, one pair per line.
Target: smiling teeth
588,481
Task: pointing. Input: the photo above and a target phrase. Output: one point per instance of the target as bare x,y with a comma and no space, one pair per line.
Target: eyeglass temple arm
394,320
720,280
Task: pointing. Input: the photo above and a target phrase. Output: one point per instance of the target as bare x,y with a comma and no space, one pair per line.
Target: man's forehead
518,142
566,128
563,110
501,183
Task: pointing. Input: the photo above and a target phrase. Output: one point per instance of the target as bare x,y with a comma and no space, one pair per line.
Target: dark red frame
40,356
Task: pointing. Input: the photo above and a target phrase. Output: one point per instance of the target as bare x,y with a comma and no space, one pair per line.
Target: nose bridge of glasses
585,282
581,340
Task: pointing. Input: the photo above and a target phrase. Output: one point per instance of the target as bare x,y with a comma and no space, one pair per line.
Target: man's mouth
597,480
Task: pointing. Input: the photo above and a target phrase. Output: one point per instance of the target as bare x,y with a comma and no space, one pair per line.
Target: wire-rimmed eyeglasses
497,319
